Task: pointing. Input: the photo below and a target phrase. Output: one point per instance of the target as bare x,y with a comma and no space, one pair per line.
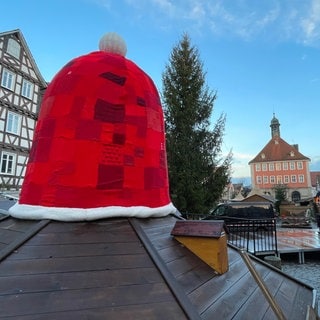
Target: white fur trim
25,211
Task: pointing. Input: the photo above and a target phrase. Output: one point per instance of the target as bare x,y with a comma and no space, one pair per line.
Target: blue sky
262,56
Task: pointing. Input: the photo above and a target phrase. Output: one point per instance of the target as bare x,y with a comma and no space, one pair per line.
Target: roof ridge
174,286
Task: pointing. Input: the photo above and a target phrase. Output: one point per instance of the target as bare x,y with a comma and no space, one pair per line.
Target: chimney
296,146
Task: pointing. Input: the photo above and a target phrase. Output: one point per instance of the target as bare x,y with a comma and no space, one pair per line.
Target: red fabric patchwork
110,177
99,140
88,129
40,151
108,112
46,128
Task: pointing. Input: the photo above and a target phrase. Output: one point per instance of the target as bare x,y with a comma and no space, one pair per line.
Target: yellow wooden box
206,239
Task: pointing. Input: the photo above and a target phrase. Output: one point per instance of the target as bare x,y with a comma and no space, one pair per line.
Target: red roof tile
278,150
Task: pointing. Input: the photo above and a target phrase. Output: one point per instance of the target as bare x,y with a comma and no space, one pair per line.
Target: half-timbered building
21,89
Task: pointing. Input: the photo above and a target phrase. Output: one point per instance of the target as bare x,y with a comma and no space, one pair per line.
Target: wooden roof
129,268
258,197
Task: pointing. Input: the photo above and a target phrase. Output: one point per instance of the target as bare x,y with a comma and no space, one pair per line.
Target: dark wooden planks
293,299
45,282
16,224
60,240
151,311
178,292
78,233
192,274
249,299
6,237
101,270
210,292
196,277
83,268
68,250
233,295
13,233
74,264
10,229
77,299
257,304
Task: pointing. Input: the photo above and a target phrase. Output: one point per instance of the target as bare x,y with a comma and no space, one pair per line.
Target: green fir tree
280,192
198,173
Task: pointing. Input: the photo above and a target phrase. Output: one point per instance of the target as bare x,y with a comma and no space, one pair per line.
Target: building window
296,196
299,165
8,79
7,162
13,123
285,165
264,167
271,166
279,179
292,165
293,178
259,180
272,179
258,167
265,179
301,178
286,179
278,166
13,48
27,89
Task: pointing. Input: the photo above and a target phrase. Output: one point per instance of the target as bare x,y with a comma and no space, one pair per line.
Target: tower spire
275,127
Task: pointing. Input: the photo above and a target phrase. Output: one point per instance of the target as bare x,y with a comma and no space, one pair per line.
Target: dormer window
291,154
263,155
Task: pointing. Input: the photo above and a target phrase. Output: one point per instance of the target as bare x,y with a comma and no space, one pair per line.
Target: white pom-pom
112,42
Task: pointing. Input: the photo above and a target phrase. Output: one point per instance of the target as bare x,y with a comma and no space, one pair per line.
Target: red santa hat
99,144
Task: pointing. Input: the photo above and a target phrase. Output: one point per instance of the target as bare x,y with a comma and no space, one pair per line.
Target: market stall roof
129,268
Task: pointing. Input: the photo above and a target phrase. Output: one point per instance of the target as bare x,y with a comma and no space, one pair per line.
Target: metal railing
257,236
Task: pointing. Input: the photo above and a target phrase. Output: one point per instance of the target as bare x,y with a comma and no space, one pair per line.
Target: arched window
295,196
